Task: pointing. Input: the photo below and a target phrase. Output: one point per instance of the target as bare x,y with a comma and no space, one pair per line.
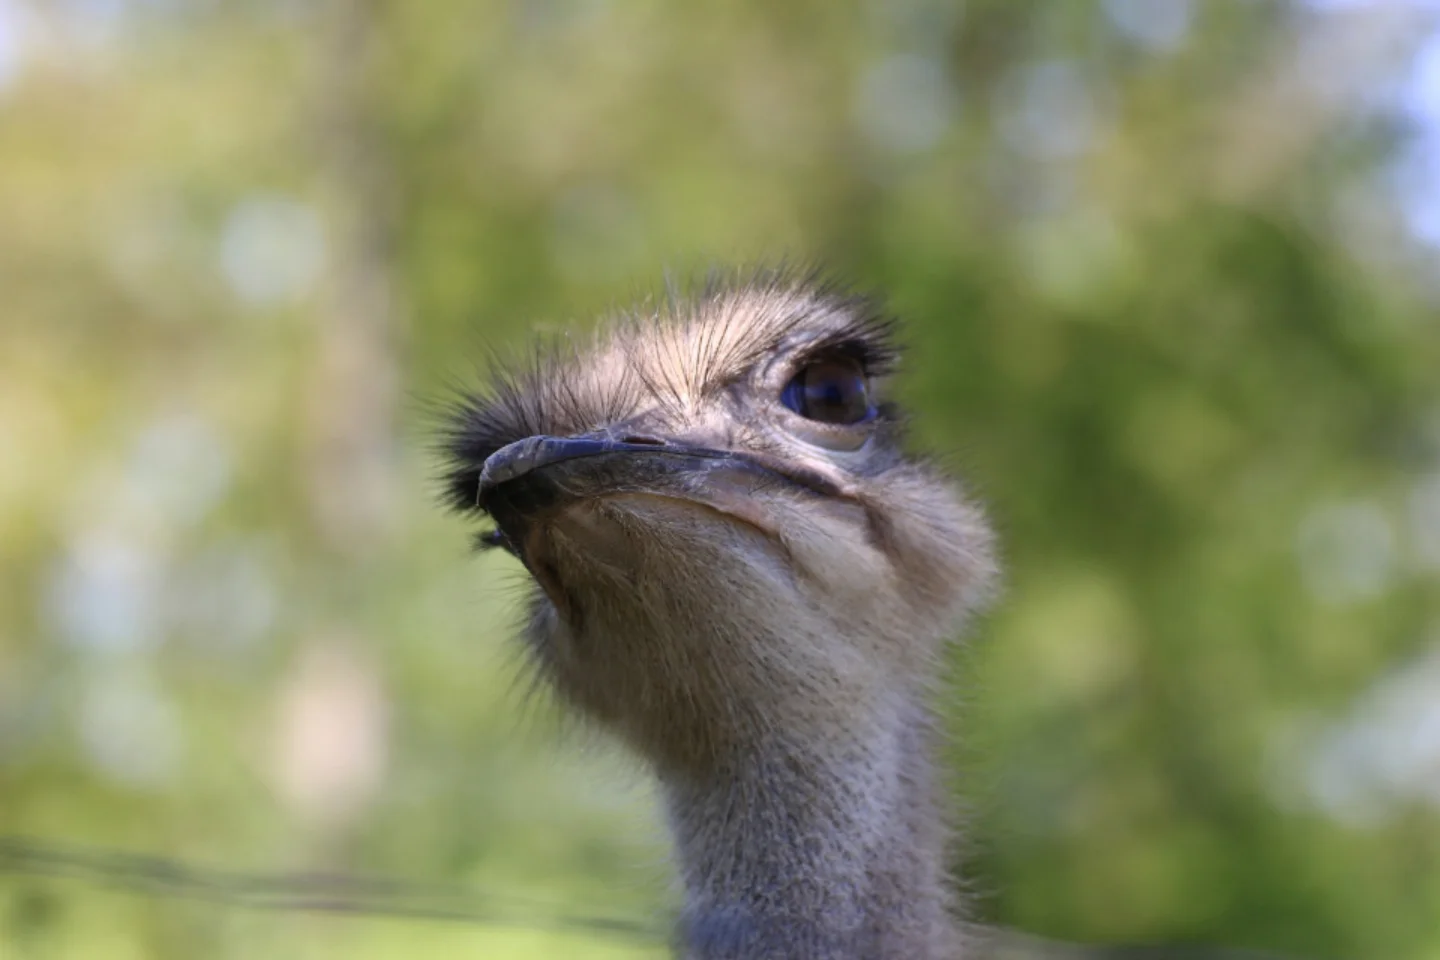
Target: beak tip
523,456
511,461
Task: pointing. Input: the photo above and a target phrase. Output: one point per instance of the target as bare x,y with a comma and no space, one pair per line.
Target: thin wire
152,876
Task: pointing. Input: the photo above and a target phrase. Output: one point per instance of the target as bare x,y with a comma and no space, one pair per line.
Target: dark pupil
831,391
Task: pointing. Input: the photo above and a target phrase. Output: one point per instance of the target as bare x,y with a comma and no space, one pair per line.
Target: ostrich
739,572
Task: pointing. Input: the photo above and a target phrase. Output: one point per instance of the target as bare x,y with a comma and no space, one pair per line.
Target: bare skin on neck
740,574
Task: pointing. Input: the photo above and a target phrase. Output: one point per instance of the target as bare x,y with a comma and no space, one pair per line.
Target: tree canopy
1168,277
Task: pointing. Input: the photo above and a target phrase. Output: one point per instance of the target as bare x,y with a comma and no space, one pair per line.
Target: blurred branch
331,745
352,404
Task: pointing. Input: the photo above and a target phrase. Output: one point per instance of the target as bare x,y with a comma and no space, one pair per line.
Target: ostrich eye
830,390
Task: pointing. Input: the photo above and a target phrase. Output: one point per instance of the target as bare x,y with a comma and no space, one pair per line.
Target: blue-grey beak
530,477
525,456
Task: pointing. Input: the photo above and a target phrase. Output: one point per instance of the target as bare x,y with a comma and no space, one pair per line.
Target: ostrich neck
822,850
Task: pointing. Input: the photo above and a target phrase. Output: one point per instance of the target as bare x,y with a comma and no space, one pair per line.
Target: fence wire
154,876
318,892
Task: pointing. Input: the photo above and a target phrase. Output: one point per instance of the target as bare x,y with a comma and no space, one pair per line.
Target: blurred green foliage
1165,316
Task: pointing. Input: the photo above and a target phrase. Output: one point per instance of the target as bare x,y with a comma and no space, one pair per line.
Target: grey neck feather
833,854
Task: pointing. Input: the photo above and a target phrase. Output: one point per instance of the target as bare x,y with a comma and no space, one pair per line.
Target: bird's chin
626,548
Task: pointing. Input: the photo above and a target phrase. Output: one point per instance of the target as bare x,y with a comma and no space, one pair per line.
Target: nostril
643,439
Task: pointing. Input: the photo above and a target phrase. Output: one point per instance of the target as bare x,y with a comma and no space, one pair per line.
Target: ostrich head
740,572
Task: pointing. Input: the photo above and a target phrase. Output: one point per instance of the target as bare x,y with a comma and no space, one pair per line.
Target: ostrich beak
536,476
533,453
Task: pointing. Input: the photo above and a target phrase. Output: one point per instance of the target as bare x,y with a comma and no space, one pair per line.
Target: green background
1165,314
